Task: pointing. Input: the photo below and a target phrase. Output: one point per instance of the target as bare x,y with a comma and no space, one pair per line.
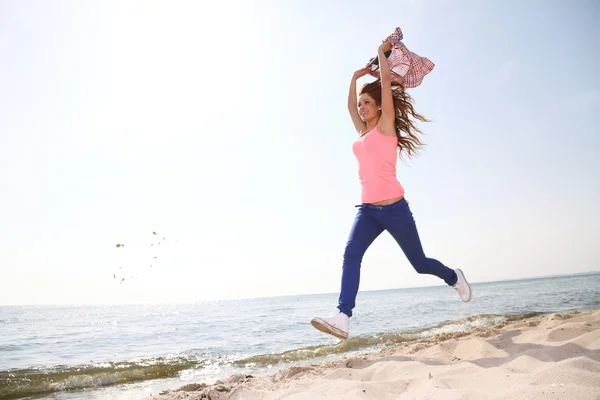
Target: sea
120,352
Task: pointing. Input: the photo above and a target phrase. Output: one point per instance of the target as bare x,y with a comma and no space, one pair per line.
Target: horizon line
591,272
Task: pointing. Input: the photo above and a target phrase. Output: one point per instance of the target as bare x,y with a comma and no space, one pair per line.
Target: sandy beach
554,356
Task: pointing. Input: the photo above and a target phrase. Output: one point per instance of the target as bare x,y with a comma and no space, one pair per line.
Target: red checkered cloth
406,67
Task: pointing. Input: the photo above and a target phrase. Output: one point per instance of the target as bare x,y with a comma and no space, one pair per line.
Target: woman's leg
365,230
398,220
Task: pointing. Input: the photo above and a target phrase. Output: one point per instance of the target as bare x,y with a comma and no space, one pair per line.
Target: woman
381,118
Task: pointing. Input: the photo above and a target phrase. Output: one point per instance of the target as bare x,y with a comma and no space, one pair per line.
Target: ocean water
131,351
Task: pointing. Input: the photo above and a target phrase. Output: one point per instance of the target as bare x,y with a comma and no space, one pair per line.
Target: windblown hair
406,130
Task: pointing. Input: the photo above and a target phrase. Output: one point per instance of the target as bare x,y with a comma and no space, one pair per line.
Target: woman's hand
360,73
385,46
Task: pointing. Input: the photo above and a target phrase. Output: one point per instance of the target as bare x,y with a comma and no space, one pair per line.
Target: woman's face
367,108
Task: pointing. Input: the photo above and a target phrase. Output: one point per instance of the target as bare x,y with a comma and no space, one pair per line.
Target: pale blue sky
225,129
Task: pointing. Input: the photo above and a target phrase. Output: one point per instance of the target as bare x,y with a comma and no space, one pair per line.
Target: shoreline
548,356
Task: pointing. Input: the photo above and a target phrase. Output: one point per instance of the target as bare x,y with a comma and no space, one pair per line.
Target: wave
26,382
373,341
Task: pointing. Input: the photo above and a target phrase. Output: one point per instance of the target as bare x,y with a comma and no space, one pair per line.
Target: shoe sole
469,286
327,328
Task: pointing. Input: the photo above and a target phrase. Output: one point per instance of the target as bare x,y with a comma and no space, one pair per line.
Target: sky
224,129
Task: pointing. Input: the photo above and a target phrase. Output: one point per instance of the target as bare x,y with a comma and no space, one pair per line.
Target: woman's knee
353,253
420,265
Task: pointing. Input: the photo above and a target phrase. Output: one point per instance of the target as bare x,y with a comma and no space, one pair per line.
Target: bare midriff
387,202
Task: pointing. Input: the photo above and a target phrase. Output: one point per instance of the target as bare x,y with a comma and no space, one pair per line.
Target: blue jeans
370,221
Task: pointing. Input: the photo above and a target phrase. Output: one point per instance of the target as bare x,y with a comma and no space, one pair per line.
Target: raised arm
386,124
359,124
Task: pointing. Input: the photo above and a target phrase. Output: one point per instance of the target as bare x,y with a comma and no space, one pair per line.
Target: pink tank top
376,155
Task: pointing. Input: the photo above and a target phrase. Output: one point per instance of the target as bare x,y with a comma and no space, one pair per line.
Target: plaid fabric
406,67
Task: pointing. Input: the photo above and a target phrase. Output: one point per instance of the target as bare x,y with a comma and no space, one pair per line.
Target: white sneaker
462,286
337,324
